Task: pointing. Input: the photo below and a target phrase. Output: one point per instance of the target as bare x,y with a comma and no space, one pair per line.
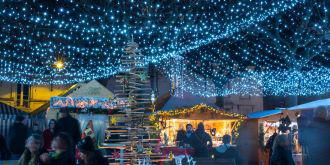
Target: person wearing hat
88,154
18,133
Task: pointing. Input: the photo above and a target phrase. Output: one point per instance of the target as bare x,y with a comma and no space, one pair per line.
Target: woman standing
48,134
33,150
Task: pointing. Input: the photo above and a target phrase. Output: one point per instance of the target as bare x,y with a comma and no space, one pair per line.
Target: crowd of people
202,143
63,143
278,145
60,144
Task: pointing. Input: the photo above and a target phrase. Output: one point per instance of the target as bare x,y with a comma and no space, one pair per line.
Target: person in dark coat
180,137
18,133
186,137
4,151
69,125
88,154
282,154
62,151
202,142
269,145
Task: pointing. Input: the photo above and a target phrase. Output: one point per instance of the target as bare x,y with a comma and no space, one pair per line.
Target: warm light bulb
59,65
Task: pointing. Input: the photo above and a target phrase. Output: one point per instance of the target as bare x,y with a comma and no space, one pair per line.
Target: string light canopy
287,54
217,40
90,36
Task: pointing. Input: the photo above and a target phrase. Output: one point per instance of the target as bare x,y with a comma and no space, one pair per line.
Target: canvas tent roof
311,105
264,113
9,111
91,89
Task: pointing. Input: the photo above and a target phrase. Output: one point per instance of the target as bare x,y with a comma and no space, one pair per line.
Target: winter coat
70,126
281,156
18,133
48,137
183,138
200,145
4,151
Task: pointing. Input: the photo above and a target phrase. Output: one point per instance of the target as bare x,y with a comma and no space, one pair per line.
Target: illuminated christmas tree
133,127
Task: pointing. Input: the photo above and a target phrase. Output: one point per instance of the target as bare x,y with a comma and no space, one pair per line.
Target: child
62,151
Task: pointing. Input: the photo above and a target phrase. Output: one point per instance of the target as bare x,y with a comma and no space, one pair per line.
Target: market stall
258,129
313,121
316,109
216,122
90,104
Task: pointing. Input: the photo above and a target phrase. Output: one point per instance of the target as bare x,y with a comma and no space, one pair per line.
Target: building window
23,95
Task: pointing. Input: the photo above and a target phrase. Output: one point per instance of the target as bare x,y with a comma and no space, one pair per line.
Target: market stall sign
87,102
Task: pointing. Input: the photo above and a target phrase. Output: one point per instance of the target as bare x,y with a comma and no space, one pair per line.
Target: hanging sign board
87,102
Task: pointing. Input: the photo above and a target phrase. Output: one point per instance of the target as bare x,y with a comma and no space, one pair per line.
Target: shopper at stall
269,145
33,150
282,154
225,146
4,151
226,150
202,142
88,154
186,137
69,125
18,133
62,151
48,134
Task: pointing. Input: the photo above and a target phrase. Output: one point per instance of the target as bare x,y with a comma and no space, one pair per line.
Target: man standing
18,133
69,125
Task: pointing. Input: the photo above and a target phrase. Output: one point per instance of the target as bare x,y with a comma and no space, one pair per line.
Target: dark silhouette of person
201,142
69,125
269,145
282,155
18,133
4,151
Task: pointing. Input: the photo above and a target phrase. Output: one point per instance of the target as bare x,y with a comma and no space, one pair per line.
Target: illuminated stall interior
269,122
261,125
216,122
